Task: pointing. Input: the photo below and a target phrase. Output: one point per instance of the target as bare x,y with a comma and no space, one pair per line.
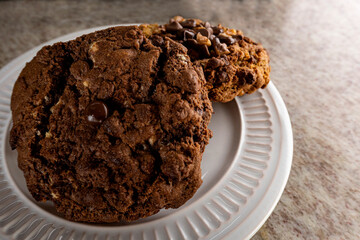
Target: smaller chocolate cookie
233,64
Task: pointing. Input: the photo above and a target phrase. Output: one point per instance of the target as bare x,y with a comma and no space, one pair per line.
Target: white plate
245,168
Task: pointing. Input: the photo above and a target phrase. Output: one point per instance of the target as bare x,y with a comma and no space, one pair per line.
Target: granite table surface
315,59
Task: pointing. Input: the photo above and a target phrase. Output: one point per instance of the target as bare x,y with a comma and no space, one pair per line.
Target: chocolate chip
197,50
185,34
226,39
248,40
238,37
204,32
214,40
180,33
217,30
173,27
191,43
79,68
190,23
189,35
204,51
96,112
206,25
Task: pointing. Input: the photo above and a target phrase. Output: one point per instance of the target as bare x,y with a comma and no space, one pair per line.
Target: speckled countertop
315,60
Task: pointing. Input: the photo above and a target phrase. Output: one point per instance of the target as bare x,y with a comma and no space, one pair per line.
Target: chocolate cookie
233,64
110,127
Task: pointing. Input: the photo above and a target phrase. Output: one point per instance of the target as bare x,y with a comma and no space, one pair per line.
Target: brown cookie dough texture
233,64
110,127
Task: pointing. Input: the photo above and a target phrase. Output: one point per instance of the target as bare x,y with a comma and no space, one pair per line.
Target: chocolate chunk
226,39
217,30
96,112
189,81
250,78
220,48
245,76
190,23
173,27
214,63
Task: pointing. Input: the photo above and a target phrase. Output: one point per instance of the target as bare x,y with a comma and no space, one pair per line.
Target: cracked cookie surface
233,64
111,127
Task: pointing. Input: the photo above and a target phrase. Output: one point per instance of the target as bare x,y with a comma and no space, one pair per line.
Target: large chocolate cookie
233,64
110,127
